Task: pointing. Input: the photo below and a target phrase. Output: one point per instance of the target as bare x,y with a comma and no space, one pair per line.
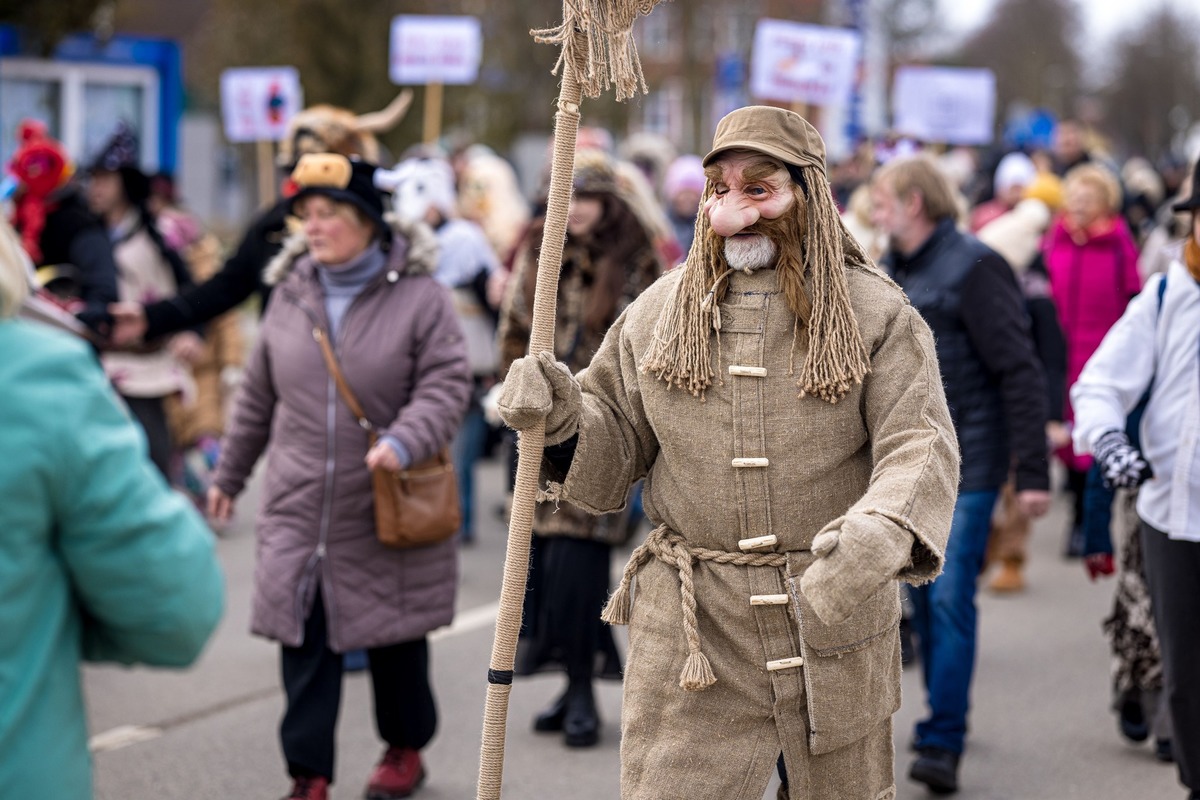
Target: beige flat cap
774,131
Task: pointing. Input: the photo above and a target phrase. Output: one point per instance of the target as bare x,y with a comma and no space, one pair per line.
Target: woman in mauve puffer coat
1091,259
323,583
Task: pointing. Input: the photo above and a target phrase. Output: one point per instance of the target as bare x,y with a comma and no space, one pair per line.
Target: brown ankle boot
1008,577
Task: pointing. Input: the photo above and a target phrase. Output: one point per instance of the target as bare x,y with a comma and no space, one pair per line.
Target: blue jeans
467,449
944,620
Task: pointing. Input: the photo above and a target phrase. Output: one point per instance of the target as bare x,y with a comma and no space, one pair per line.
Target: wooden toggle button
759,541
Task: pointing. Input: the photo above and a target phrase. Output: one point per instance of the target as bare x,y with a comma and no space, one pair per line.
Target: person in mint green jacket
99,559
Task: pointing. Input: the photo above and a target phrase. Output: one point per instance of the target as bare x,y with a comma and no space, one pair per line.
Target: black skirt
561,629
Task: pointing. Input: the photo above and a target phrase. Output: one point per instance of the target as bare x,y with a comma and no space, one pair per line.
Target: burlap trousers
723,743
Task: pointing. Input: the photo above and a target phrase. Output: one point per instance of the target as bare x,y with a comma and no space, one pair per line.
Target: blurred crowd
420,274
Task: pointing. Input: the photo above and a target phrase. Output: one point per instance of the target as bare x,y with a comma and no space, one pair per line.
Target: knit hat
341,180
594,173
1048,188
685,173
1015,169
120,154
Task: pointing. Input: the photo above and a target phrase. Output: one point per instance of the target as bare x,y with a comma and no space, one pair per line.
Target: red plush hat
40,166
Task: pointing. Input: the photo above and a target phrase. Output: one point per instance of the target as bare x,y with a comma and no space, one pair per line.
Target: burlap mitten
541,388
853,562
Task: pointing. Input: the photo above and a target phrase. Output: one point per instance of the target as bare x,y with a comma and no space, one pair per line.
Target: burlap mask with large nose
813,281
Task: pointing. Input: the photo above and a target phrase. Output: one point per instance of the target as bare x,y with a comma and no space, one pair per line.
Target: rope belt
671,548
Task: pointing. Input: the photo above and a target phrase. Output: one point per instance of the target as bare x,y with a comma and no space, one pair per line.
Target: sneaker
398,774
937,769
309,788
1163,750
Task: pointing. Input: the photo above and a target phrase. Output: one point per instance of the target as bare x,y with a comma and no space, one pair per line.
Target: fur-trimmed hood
413,251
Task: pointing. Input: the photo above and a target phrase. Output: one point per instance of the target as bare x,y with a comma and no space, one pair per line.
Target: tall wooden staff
597,51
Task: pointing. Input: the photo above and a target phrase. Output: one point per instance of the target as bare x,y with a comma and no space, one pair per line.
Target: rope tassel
617,609
697,673
609,54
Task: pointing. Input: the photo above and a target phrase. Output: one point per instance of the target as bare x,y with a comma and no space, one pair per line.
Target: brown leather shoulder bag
414,507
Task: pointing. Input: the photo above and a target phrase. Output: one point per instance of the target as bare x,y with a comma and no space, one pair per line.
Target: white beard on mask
748,253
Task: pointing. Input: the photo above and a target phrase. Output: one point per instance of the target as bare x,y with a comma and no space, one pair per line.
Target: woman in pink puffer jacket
1091,258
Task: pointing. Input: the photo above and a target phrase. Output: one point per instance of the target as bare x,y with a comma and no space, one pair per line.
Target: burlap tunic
887,449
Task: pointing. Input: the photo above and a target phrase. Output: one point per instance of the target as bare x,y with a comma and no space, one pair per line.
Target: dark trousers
1173,577
567,589
150,414
405,714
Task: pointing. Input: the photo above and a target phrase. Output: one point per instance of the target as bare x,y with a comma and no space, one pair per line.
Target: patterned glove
536,388
853,562
1121,465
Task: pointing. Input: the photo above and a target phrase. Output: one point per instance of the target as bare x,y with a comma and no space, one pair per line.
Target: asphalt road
1040,727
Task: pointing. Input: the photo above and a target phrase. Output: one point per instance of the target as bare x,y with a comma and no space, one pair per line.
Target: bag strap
331,364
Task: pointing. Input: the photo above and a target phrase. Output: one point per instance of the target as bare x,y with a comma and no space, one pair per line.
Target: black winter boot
581,722
550,720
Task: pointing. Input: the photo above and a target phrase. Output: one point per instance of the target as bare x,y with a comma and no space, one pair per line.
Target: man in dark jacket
997,398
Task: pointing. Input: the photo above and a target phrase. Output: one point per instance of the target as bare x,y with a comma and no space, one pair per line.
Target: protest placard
257,103
803,64
950,105
435,49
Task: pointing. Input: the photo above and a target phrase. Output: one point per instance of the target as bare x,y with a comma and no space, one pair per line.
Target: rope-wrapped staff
597,51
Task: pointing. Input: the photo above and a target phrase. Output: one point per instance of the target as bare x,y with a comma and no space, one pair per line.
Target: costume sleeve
250,423
616,443
1118,373
236,281
995,319
141,560
914,482
442,386
91,253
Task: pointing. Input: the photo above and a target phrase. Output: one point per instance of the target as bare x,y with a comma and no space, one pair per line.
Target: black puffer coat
994,383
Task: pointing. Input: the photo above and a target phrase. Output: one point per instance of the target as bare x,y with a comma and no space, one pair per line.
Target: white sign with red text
435,49
797,63
257,103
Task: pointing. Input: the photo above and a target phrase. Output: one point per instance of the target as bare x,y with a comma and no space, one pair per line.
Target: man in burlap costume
764,619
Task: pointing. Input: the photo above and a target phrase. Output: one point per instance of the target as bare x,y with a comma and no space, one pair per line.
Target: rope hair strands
610,57
814,286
